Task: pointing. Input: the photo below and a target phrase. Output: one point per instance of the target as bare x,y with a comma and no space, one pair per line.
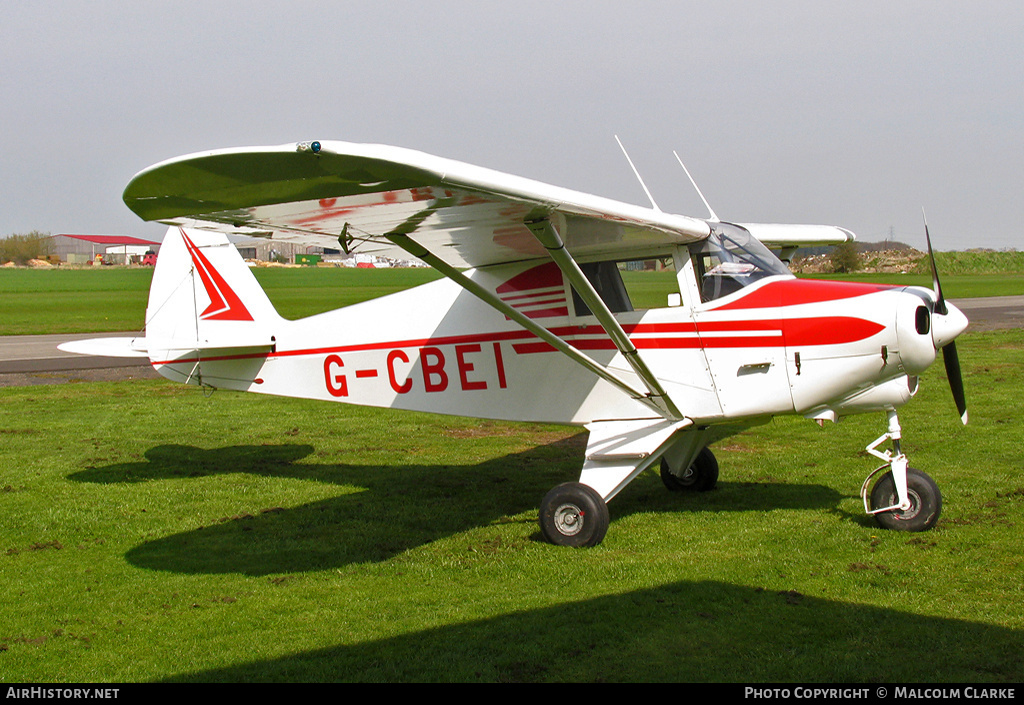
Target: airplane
532,320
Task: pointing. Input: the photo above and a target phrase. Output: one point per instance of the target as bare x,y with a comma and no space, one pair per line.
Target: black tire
925,502
701,476
573,514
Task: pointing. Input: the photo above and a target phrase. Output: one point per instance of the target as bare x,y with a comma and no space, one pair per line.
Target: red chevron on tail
224,302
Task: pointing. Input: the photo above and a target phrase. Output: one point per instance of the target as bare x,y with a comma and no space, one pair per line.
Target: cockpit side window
730,259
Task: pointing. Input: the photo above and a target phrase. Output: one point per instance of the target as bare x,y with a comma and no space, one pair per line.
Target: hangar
79,249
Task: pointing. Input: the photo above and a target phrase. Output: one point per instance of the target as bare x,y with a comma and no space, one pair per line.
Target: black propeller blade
956,380
949,354
940,301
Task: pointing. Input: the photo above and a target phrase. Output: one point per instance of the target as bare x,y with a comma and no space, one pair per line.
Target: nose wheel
923,495
903,498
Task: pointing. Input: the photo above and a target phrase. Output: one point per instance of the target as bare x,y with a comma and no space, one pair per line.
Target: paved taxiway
35,359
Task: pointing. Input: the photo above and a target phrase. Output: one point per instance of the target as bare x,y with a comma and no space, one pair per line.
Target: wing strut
417,250
545,232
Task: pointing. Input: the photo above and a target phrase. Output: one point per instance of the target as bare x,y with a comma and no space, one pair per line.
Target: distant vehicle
149,260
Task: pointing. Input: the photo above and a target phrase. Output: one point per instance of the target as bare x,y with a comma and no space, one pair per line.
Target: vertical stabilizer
204,298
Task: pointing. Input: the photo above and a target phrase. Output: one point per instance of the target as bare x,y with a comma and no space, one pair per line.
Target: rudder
204,298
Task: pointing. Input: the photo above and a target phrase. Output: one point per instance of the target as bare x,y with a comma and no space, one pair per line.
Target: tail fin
204,302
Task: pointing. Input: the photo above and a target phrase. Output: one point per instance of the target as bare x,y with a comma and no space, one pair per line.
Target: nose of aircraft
946,327
925,325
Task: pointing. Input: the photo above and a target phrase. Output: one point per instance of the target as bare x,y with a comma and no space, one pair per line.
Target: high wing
339,194
385,200
393,201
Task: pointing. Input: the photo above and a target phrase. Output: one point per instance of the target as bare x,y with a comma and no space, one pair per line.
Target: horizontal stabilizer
220,346
140,347
107,347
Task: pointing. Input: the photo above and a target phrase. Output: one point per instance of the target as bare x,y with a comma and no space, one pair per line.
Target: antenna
642,184
707,205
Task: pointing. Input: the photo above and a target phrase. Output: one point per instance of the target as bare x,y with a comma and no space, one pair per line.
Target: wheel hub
568,519
910,512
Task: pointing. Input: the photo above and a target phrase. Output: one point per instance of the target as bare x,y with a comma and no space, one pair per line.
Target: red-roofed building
84,248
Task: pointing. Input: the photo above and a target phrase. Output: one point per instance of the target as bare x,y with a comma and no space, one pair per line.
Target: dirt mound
878,261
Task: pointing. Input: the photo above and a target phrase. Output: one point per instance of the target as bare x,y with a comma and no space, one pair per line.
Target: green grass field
151,533
38,301
114,298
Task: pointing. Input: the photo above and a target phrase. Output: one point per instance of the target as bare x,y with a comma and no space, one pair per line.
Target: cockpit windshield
730,259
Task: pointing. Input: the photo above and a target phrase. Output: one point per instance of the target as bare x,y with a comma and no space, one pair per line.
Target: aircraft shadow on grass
678,632
395,509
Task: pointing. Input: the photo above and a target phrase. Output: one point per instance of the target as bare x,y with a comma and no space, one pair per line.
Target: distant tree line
21,248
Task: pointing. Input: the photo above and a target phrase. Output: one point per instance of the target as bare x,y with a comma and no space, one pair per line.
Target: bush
21,248
845,258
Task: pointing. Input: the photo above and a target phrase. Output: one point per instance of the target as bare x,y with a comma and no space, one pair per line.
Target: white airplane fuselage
780,345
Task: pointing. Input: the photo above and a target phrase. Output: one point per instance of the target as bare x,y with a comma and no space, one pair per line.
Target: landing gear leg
576,513
903,499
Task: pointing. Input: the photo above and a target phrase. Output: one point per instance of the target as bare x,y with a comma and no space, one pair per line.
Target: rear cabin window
630,285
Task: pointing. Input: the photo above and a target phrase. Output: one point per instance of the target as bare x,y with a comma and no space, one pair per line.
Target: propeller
949,354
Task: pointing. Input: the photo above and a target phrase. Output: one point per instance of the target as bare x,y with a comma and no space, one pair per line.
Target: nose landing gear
904,498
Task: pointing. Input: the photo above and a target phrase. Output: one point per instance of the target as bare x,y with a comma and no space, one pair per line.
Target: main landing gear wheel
573,514
925,502
701,476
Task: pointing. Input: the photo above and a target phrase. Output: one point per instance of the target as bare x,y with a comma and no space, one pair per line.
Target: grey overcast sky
852,114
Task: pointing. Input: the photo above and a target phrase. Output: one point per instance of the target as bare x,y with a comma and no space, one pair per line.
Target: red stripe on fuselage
544,276
791,292
805,332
